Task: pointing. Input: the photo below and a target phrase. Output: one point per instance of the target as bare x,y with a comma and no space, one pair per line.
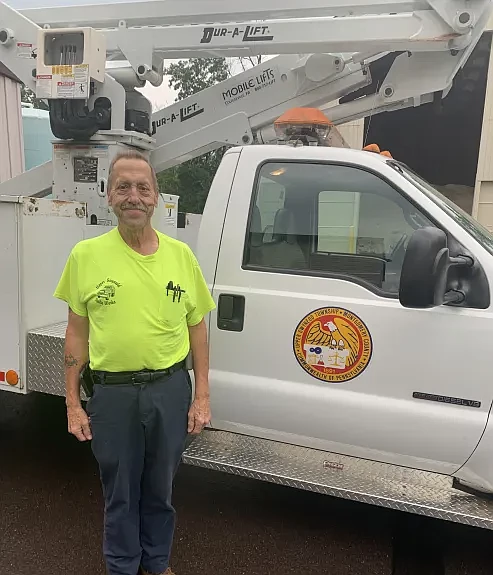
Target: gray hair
132,154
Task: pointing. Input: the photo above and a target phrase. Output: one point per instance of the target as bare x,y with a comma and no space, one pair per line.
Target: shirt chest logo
106,292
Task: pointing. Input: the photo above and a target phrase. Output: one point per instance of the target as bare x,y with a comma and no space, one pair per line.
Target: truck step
391,486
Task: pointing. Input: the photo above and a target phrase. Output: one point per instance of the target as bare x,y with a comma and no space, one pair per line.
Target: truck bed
381,484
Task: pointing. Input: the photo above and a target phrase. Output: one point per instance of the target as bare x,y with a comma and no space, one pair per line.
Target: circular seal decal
333,345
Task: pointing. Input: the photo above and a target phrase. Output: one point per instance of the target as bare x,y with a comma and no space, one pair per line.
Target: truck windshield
472,226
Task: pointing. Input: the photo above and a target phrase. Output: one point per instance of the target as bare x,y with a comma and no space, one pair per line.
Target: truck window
330,220
481,234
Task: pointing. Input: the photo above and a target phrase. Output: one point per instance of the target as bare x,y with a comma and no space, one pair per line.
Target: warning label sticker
65,89
81,75
62,70
24,50
71,81
43,86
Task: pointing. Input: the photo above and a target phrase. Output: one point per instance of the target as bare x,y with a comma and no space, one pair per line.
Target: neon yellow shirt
139,307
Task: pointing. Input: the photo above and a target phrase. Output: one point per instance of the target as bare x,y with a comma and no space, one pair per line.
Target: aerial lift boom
352,58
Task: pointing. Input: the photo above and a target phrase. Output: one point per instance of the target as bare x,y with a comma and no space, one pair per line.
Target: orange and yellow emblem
332,344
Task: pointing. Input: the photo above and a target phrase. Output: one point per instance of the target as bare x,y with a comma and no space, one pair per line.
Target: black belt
134,377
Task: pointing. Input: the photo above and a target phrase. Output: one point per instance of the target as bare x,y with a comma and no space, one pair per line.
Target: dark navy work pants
139,433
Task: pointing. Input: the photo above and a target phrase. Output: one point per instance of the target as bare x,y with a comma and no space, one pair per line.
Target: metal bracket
112,90
460,15
18,42
138,49
197,12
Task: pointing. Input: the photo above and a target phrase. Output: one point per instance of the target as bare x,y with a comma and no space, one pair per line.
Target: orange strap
376,150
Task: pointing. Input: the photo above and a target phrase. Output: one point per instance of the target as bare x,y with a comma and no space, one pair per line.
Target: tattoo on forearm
70,361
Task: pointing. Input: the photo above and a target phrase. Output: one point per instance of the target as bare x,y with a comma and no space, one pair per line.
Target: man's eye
144,189
122,187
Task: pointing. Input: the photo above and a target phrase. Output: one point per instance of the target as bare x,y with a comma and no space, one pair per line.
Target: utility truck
350,347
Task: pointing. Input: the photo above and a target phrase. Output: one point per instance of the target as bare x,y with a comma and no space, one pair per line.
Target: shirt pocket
172,314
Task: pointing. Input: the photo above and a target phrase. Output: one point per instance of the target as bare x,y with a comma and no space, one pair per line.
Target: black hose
72,120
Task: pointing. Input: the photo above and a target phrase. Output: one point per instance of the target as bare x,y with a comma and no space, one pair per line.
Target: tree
29,97
188,77
192,180
247,62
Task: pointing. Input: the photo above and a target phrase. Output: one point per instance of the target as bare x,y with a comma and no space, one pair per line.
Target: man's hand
78,423
199,415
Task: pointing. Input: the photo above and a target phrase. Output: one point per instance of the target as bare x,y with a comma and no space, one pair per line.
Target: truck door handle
231,312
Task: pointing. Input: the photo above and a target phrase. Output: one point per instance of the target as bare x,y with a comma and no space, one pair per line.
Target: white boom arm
427,40
236,110
145,33
175,28
244,108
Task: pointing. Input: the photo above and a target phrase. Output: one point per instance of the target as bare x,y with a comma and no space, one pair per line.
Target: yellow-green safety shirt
139,307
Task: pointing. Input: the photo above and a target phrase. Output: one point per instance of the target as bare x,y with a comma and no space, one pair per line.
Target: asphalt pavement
51,514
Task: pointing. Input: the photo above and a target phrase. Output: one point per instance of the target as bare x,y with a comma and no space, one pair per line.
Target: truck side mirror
425,271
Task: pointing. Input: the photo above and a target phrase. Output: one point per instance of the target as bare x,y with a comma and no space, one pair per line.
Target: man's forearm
76,356
200,353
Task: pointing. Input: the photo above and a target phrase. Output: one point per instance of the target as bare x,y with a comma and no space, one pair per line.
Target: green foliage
187,77
29,97
192,180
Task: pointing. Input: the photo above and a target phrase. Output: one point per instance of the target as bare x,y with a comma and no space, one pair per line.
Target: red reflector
2,376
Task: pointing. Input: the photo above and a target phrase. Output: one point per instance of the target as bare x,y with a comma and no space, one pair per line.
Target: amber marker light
12,377
307,126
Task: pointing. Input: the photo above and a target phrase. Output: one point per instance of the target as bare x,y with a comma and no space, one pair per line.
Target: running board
390,486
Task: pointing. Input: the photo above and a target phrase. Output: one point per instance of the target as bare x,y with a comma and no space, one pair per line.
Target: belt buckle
134,380
141,378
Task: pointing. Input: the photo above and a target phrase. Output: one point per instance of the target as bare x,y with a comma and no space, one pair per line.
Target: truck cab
308,252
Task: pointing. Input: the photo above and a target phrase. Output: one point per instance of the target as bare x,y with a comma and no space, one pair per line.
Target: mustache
133,207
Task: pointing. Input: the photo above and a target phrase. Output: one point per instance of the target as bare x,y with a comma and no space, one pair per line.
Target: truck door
310,344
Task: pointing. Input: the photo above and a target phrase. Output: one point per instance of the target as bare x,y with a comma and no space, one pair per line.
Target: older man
137,301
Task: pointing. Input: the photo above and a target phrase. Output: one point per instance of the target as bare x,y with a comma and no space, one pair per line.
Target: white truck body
258,386
415,400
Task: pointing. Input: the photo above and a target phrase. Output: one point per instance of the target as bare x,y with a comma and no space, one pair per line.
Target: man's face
132,195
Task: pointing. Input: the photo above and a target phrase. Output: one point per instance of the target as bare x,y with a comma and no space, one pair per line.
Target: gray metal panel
4,71
370,482
45,370
37,181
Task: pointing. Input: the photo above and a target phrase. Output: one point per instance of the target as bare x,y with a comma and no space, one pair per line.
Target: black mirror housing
425,269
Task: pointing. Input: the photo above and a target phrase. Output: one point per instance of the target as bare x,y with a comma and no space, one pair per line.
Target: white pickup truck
354,318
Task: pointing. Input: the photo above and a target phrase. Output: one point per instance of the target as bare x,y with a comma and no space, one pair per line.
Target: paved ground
51,514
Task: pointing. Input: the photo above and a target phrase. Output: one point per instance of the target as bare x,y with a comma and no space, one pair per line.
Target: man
137,301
